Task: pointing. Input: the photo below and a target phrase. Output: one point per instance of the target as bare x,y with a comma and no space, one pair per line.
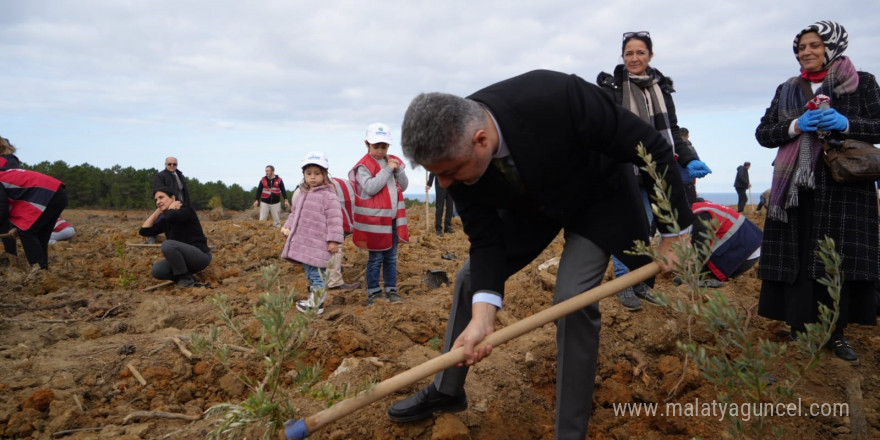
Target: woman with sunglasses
805,203
645,91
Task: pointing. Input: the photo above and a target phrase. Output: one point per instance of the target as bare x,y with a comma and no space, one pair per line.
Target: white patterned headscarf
832,34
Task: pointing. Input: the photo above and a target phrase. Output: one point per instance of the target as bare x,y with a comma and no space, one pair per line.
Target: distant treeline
127,188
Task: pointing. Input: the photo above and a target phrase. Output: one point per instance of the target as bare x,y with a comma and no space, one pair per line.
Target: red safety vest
345,193
735,239
28,193
373,215
60,224
269,190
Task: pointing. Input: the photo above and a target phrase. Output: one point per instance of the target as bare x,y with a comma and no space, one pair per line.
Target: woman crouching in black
185,247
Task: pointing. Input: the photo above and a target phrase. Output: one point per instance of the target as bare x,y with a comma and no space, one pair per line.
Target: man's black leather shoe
426,402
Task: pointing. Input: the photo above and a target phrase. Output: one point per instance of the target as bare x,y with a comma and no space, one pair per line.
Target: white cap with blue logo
378,133
316,158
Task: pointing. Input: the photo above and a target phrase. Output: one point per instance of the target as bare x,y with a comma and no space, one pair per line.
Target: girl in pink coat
314,229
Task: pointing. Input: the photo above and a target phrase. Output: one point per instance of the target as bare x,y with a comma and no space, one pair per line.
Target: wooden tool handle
451,358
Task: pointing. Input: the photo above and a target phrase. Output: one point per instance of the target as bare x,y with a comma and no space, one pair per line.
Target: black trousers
35,240
690,191
443,199
741,199
9,244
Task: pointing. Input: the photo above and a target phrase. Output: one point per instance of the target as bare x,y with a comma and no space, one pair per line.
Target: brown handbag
850,160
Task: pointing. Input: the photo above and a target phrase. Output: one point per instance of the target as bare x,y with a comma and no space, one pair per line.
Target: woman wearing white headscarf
806,204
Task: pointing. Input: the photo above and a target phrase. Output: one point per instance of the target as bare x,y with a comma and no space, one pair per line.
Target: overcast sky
231,86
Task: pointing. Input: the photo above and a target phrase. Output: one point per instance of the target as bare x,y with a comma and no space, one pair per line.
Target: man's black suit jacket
573,148
166,179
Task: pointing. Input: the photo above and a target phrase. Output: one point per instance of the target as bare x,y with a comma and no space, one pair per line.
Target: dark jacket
613,84
9,161
846,212
180,225
569,143
165,179
742,177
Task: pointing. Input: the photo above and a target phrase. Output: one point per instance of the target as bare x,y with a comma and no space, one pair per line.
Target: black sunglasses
643,34
171,164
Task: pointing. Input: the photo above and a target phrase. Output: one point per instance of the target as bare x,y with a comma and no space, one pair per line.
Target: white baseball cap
316,158
378,133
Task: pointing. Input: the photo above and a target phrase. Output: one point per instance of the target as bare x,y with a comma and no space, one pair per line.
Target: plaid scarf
646,100
795,161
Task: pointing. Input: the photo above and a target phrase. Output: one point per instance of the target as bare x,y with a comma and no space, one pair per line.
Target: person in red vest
8,160
379,211
270,193
31,202
737,244
63,231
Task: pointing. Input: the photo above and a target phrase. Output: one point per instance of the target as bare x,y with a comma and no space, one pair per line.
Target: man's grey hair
439,126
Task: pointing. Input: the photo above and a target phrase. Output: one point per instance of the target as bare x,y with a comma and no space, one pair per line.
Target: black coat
613,84
165,179
742,177
181,225
845,212
571,144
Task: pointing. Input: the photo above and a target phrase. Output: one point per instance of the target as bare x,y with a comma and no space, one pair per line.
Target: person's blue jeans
620,269
647,201
387,261
315,275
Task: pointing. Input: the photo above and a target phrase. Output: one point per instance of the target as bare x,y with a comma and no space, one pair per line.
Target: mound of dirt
86,352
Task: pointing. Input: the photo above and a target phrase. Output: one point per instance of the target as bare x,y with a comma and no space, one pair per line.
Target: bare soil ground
70,334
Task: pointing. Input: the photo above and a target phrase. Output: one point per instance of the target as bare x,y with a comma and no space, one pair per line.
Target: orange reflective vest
374,215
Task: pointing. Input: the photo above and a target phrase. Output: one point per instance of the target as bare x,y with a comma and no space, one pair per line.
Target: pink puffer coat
314,221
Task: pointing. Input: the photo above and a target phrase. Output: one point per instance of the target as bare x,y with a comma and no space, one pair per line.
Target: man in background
270,193
443,199
741,184
170,177
692,168
764,200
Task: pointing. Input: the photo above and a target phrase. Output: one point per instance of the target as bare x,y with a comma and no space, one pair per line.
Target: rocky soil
70,339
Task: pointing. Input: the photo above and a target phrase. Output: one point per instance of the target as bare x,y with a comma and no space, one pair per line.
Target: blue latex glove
697,169
832,120
809,121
